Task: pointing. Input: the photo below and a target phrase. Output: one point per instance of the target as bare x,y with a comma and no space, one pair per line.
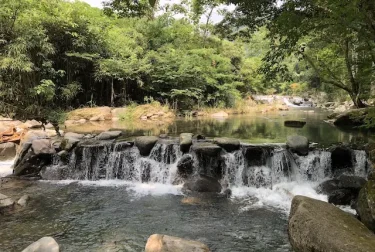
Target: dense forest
59,55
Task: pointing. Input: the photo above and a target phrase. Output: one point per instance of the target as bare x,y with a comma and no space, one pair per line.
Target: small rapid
258,175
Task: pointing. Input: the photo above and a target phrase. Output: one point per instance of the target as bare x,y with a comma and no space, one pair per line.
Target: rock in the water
298,144
30,164
186,140
145,144
366,204
328,186
165,243
352,118
220,114
185,166
42,146
5,202
74,135
341,160
208,149
45,244
23,200
7,151
69,143
294,124
108,135
228,144
351,182
342,197
203,183
317,226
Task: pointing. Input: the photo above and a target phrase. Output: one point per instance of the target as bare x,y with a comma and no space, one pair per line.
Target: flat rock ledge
45,244
317,226
165,243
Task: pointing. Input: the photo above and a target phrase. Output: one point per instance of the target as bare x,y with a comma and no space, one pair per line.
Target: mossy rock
366,204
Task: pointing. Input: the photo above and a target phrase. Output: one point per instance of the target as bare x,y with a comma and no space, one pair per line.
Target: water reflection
258,128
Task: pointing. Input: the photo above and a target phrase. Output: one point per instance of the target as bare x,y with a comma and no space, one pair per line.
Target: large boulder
145,144
317,226
341,160
207,149
69,143
186,140
202,183
366,203
7,151
298,144
29,163
165,243
185,166
228,144
42,146
45,244
352,118
108,135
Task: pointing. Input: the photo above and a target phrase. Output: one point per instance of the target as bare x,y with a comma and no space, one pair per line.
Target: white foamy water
279,197
6,168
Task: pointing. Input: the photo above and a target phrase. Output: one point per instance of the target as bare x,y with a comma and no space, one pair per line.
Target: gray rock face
69,143
45,244
317,226
298,144
42,146
186,140
30,163
7,151
366,204
203,183
108,135
228,144
5,202
208,149
165,243
145,144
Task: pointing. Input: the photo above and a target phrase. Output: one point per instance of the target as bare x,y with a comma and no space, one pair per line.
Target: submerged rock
186,140
202,183
7,151
298,144
45,244
145,144
5,202
165,243
317,226
23,200
228,144
294,124
366,204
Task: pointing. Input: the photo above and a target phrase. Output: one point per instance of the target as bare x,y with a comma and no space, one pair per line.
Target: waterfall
253,166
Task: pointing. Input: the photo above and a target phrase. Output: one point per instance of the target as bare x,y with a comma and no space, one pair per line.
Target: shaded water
258,128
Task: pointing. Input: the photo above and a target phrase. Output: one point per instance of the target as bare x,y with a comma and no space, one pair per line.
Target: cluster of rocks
337,107
8,204
155,243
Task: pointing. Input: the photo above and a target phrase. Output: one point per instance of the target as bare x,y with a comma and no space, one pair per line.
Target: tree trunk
112,94
358,103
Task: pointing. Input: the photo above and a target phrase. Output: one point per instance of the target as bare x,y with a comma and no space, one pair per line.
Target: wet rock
228,144
319,226
5,202
342,197
352,118
298,144
208,149
165,243
42,146
145,144
108,135
202,183
23,200
256,155
69,143
220,114
351,182
294,124
30,163
185,166
7,151
186,140
59,172
45,244
366,204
